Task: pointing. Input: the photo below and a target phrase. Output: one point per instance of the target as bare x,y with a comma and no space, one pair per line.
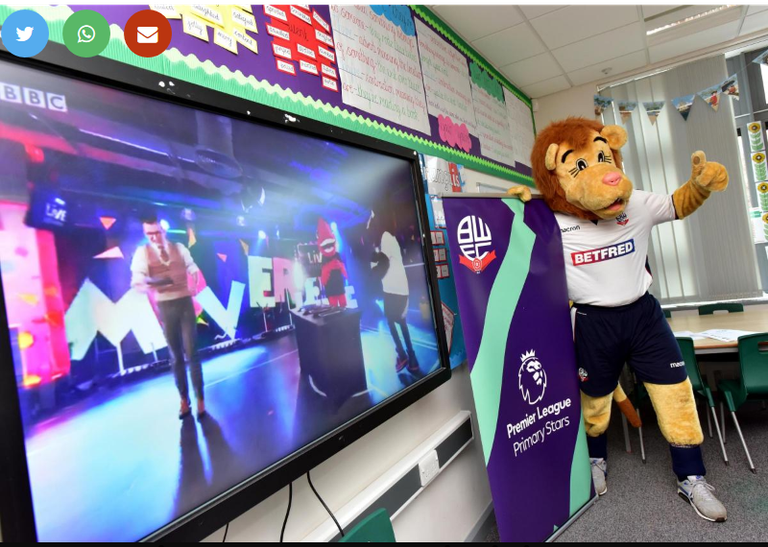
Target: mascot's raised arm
605,227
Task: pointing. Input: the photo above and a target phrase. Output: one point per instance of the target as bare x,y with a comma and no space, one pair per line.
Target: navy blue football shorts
637,334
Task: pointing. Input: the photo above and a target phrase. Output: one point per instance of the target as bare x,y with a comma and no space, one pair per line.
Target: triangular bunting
625,109
246,247
653,109
730,86
114,252
601,103
223,257
762,58
683,105
711,96
192,237
107,222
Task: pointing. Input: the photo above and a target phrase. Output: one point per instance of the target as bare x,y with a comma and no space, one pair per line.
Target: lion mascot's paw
708,175
523,193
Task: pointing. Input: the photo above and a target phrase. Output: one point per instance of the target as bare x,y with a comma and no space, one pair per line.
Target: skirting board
400,484
483,526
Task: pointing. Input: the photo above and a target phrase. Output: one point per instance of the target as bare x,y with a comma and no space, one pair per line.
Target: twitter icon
25,33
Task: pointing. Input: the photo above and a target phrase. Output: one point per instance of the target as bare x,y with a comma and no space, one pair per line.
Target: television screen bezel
17,521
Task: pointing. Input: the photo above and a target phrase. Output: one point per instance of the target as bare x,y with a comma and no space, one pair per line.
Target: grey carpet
642,502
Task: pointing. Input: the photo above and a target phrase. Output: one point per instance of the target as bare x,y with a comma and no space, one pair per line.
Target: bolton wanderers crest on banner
474,238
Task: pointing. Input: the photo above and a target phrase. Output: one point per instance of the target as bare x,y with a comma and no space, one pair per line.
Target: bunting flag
761,59
625,109
601,103
653,109
192,237
245,246
683,105
730,86
711,96
107,222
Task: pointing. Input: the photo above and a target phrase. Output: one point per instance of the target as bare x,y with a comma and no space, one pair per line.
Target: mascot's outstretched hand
523,193
706,177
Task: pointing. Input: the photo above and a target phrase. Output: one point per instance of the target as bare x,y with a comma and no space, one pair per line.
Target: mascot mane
577,132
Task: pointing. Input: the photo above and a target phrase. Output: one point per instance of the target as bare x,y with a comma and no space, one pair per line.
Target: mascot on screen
333,272
605,227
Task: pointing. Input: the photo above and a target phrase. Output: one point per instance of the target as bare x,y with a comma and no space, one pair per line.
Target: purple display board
294,47
510,280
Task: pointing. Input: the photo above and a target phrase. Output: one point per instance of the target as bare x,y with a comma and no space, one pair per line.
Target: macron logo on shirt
605,253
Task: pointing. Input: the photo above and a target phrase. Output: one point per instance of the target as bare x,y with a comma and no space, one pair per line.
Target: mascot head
531,378
326,240
577,168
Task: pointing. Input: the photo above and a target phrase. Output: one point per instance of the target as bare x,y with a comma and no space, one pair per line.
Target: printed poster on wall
756,138
759,169
509,273
520,127
446,82
378,60
491,114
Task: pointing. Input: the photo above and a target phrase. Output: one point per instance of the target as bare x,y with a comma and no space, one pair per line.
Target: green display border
189,68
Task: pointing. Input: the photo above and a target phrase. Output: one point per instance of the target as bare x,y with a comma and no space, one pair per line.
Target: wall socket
429,467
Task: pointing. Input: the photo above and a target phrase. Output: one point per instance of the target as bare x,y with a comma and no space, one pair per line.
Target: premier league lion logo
531,378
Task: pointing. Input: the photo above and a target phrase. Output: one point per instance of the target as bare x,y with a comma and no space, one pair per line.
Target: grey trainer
698,492
599,472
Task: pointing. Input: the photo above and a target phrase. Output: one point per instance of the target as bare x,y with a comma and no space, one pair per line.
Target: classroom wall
576,101
446,511
473,178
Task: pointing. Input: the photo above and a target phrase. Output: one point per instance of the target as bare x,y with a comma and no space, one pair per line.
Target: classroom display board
396,73
441,177
510,279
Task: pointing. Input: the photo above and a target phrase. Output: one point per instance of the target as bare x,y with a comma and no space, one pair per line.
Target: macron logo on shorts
605,253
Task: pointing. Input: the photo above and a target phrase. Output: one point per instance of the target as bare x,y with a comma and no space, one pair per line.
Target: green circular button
86,33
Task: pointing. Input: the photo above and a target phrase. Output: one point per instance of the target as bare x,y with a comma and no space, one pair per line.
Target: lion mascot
605,227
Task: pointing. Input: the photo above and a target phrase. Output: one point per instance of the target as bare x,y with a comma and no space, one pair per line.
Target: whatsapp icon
86,33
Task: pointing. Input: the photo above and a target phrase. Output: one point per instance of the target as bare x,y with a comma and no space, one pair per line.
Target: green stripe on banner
581,473
502,303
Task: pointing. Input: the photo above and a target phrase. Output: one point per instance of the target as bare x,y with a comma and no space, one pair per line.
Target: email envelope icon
147,35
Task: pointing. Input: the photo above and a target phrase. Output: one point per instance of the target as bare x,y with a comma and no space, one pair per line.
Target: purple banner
510,279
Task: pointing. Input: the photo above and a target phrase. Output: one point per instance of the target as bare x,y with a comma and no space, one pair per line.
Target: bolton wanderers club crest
622,219
474,237
582,375
531,378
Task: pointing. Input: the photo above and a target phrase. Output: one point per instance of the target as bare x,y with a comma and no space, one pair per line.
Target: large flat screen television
165,250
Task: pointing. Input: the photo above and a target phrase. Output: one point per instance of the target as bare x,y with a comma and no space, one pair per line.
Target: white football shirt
605,261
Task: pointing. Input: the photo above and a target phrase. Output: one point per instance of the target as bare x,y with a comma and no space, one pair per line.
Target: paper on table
725,335
688,334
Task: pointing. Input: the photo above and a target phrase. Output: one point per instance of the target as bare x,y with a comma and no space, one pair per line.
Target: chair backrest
375,528
691,364
668,314
709,309
753,356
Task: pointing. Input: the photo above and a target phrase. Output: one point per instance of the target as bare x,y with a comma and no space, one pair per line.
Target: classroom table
748,320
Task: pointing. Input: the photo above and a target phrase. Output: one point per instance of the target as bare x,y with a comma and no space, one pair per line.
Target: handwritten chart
378,61
446,78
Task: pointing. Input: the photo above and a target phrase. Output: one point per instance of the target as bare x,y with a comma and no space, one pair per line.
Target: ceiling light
696,17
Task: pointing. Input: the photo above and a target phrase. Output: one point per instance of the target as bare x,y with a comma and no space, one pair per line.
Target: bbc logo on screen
32,97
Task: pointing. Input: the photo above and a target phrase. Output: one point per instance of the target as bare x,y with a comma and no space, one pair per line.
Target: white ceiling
546,49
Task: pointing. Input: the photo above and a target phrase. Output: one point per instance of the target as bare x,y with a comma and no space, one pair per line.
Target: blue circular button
25,33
